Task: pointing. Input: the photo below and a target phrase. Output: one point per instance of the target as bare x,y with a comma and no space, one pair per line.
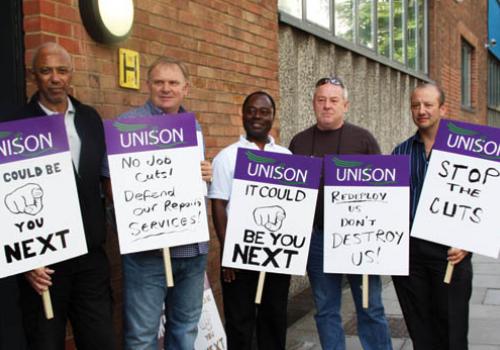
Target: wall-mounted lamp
492,43
107,21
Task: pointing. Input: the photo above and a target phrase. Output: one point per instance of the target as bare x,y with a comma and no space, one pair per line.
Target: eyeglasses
330,80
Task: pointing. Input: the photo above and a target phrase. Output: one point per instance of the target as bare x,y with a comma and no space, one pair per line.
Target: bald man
80,287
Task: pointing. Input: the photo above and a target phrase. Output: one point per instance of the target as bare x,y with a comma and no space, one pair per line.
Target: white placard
158,197
158,191
456,212
366,230
211,334
269,224
39,207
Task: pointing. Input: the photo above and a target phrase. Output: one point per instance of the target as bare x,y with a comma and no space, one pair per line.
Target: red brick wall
230,47
449,22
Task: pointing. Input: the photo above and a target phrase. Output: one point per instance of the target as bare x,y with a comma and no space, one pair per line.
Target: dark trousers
436,313
80,292
242,314
12,335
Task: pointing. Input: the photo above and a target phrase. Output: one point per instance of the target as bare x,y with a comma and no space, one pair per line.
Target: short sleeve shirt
224,163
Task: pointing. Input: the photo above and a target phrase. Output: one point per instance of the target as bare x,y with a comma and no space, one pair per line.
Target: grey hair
168,61
50,46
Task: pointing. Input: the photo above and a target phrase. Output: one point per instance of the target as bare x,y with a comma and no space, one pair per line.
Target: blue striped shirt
415,148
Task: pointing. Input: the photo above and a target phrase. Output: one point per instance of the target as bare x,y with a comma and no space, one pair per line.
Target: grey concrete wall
379,95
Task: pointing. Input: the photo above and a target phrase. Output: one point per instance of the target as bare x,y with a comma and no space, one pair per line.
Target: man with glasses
333,135
239,286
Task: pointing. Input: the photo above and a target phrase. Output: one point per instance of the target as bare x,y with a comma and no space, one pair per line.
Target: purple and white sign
458,206
271,212
366,220
155,172
39,225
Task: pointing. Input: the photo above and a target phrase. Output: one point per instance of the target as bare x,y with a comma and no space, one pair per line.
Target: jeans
373,329
145,291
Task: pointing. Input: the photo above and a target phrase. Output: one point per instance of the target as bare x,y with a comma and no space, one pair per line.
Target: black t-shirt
348,139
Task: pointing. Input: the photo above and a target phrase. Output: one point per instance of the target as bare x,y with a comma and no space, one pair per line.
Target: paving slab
484,322
492,297
484,331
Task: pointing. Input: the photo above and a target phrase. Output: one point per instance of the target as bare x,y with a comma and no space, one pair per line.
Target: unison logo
133,135
30,145
471,140
355,171
265,167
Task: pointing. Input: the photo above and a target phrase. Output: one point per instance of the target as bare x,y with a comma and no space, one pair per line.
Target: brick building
231,49
381,48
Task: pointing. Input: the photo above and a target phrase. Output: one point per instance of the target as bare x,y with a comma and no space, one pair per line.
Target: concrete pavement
484,324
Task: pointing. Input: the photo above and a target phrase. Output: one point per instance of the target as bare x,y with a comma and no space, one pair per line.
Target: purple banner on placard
366,170
467,139
277,168
31,138
138,134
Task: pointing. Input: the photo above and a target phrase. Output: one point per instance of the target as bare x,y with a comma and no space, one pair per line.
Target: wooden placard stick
365,291
47,305
260,287
449,273
168,267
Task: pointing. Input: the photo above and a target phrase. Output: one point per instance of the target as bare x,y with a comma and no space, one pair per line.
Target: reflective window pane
422,52
344,19
383,27
318,12
398,35
411,30
291,7
394,30
365,22
466,73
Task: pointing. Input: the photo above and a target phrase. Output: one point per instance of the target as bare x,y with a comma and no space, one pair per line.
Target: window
493,83
344,19
398,39
291,7
466,69
384,28
318,12
393,32
365,23
493,91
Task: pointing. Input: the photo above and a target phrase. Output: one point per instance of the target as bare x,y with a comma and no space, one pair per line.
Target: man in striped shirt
436,313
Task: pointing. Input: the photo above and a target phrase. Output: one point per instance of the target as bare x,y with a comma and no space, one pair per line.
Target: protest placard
366,221
458,206
271,212
39,210
211,334
155,172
